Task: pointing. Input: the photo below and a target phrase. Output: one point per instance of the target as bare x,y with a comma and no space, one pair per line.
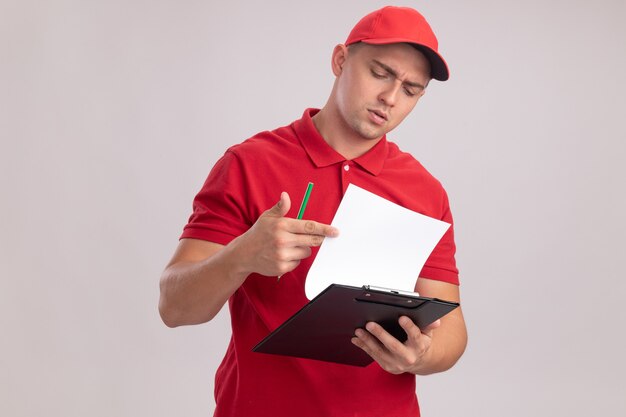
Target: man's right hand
276,244
202,275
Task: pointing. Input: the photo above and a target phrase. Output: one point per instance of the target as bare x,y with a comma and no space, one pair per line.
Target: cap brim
438,67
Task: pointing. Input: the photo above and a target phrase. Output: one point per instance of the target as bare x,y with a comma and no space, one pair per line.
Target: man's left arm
433,349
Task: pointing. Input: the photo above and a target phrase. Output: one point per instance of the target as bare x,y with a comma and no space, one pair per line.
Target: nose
389,95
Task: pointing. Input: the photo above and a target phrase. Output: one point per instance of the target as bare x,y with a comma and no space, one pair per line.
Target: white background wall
112,113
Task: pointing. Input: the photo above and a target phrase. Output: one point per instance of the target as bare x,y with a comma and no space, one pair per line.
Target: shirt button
346,167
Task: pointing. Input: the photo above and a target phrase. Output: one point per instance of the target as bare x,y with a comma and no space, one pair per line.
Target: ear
340,53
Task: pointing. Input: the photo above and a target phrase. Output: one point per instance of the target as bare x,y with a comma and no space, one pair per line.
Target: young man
243,234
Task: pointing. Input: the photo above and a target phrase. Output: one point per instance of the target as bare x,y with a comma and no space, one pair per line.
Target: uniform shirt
244,183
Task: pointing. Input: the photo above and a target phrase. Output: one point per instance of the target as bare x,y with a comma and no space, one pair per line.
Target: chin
371,134
368,133
372,137
367,130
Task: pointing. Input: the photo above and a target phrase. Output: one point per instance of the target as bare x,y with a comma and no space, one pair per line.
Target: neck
339,135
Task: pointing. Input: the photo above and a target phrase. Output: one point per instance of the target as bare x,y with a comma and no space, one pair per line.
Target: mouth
379,117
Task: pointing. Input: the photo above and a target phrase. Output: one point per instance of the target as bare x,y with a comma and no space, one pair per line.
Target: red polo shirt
244,183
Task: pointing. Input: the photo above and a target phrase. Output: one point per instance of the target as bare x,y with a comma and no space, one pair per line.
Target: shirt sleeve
441,264
219,210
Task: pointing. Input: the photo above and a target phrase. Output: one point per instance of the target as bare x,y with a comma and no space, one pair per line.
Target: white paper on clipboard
380,243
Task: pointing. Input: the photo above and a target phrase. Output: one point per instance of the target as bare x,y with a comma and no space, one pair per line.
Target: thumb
432,326
282,207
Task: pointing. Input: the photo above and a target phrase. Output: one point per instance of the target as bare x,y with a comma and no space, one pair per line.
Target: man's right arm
203,275
197,282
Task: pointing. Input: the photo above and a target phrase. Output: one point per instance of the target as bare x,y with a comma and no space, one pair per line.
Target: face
377,86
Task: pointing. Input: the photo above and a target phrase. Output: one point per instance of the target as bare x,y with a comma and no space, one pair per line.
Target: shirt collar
323,155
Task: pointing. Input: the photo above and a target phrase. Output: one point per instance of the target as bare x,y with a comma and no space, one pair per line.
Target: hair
354,46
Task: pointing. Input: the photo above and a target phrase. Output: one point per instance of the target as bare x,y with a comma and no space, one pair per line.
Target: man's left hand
391,354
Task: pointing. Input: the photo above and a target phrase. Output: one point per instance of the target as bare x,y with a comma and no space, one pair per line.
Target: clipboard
322,329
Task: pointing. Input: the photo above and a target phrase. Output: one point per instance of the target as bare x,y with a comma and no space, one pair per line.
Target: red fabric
244,183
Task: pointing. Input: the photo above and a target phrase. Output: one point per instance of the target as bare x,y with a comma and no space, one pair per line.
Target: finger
287,266
410,328
377,351
369,344
310,227
307,240
433,325
390,342
291,259
428,330
281,208
296,253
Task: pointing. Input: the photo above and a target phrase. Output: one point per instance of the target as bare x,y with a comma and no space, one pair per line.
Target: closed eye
378,74
382,71
410,92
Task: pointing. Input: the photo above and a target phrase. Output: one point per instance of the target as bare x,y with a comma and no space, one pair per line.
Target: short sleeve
441,264
219,210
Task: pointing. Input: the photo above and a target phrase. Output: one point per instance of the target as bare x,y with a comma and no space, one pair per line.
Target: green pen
305,200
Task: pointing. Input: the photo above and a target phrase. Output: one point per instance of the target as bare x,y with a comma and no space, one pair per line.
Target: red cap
393,24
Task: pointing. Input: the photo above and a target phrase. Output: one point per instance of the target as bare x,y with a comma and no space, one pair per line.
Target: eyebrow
395,74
